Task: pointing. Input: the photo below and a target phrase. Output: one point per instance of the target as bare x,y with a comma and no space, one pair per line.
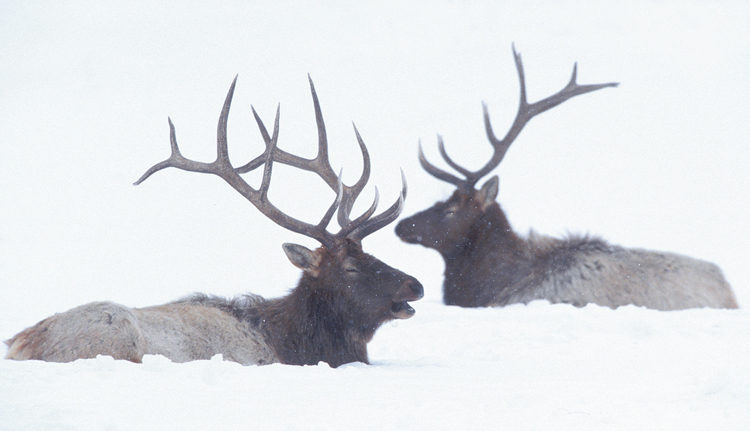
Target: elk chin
402,310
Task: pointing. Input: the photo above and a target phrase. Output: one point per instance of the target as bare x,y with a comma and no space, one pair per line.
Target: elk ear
303,258
488,192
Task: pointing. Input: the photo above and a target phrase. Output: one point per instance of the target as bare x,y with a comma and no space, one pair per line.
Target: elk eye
351,269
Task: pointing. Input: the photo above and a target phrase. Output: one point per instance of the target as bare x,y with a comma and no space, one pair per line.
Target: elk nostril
417,288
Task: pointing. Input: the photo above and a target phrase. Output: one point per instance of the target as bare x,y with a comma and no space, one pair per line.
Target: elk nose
402,231
400,228
416,288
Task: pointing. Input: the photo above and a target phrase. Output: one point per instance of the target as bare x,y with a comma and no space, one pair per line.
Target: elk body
342,298
488,264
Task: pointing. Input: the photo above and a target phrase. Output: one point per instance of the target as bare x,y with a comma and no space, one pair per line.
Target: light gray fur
181,331
613,276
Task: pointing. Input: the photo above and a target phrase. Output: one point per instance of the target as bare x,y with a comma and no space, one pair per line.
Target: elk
488,264
342,297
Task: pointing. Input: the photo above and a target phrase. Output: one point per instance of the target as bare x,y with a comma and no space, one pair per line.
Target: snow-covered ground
660,162
539,367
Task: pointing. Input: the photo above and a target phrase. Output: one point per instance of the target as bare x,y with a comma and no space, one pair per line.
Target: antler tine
383,219
351,193
434,170
335,205
451,163
350,227
526,112
320,164
317,232
281,156
176,159
260,160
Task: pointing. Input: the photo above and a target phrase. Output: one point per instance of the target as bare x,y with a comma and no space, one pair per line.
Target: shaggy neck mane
493,253
311,325
491,231
303,328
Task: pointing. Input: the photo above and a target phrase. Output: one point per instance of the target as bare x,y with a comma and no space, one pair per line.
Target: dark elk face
445,225
361,286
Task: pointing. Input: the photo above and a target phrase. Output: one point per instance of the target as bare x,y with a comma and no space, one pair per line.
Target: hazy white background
660,162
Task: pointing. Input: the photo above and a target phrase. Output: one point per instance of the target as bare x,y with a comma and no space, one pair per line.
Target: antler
345,195
525,113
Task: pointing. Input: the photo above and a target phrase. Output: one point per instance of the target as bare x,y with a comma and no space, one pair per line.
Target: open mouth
411,290
402,310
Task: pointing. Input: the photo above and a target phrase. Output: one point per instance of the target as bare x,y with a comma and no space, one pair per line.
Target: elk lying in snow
487,264
343,296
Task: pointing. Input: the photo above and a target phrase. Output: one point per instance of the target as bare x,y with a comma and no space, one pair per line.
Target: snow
522,367
659,162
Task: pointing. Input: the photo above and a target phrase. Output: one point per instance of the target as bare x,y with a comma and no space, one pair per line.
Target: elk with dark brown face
342,298
488,264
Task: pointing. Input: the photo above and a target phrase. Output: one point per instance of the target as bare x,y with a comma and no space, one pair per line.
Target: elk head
445,225
338,274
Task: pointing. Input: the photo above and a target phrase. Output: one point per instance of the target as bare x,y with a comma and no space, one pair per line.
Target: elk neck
491,231
311,324
492,252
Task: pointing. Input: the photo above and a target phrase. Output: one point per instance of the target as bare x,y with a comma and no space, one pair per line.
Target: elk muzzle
405,230
411,290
